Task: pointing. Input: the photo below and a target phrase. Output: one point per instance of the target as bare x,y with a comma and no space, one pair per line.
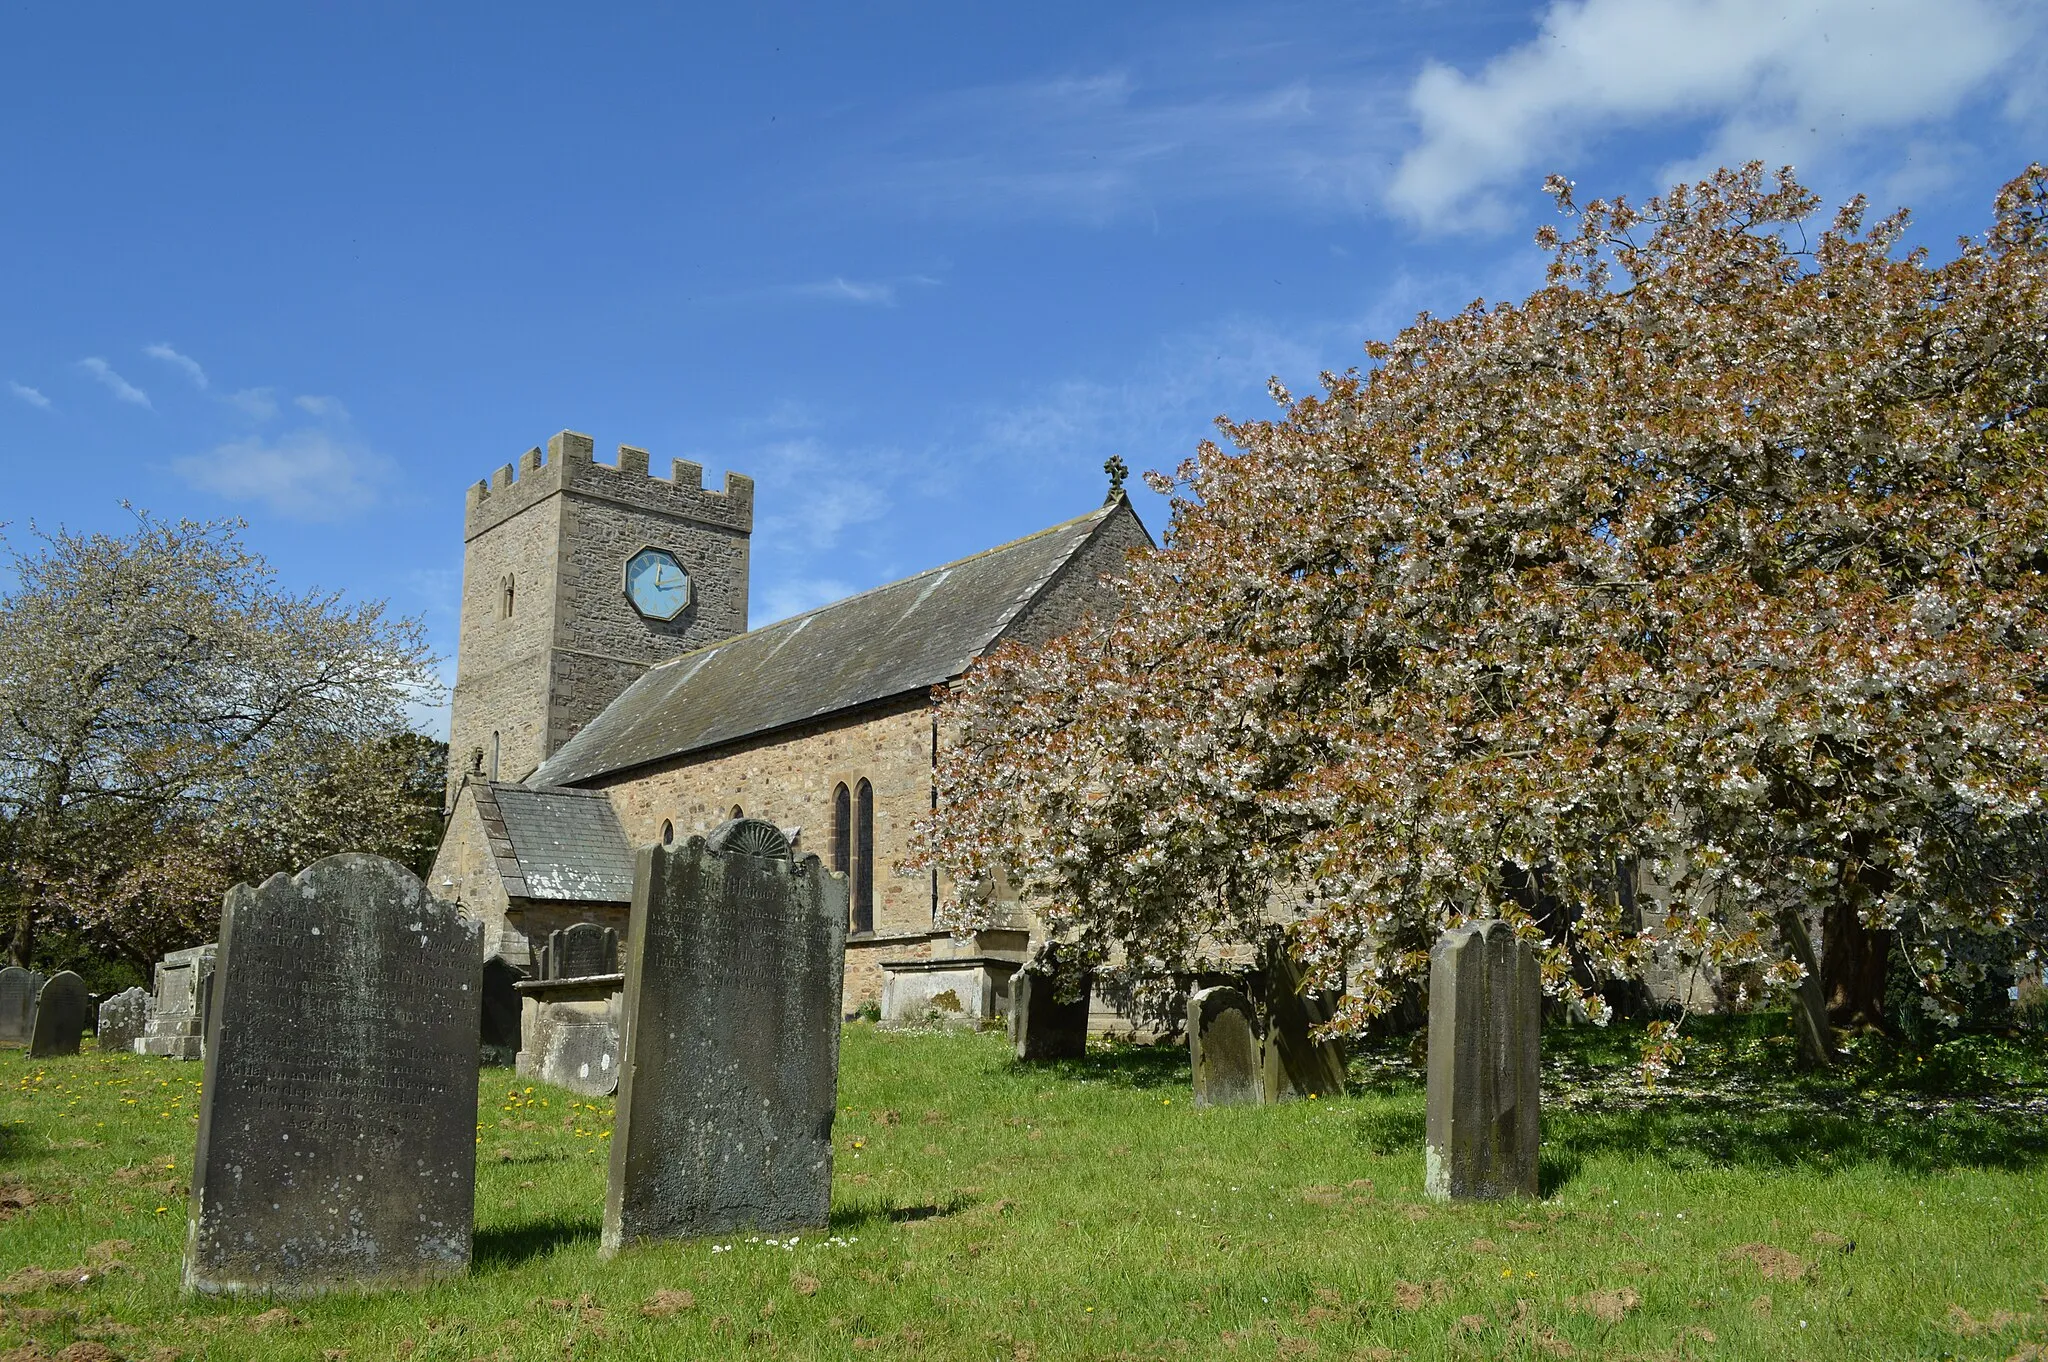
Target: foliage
1695,598
171,723
1085,1210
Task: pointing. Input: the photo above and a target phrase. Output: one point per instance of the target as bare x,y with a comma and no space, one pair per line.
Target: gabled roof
906,636
555,844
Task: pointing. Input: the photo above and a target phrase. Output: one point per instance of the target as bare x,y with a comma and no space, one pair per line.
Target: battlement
570,465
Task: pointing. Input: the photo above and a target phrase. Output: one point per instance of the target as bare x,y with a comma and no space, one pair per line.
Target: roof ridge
1069,523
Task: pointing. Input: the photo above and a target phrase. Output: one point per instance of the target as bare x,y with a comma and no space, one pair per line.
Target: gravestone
499,1025
18,988
581,950
1484,1105
184,988
63,1011
1296,1064
1223,1049
735,961
1049,1008
337,1125
122,1018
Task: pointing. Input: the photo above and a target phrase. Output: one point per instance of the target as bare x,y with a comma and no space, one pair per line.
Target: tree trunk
1854,961
21,942
1809,1002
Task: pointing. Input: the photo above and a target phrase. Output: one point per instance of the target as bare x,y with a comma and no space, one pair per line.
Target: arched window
668,832
863,857
494,756
508,595
737,812
842,829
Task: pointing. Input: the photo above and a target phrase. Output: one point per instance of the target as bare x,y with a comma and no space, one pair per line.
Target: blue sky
917,269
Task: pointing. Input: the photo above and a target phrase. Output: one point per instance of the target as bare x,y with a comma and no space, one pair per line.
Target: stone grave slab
1297,1065
63,1011
18,988
122,1018
184,987
499,1028
1049,1008
337,1124
1484,1103
735,958
1223,1049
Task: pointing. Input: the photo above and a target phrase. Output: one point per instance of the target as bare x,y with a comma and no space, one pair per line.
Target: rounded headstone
63,1010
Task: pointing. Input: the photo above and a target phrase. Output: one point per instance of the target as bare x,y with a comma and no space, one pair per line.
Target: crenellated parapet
570,465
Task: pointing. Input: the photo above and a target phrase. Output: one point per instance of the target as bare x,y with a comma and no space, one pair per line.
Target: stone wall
466,872
1079,590
560,528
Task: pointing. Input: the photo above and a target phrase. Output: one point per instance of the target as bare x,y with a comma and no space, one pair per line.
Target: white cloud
1098,147
28,394
304,474
326,408
839,290
795,595
185,363
829,501
120,387
1766,80
258,404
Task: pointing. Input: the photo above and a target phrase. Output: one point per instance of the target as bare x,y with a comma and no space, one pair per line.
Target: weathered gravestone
122,1018
337,1125
18,988
499,1027
184,989
1223,1049
1049,1007
581,950
1484,1106
1297,1065
574,1038
63,1011
735,959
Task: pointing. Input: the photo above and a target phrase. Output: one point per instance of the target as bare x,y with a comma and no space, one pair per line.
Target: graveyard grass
1084,1210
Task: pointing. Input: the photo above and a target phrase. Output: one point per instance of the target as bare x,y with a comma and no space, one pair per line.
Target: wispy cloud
28,394
871,292
794,595
258,404
183,363
310,474
120,387
1110,144
828,493
1783,83
326,408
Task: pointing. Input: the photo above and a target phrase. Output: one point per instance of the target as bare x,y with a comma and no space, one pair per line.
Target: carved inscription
337,1142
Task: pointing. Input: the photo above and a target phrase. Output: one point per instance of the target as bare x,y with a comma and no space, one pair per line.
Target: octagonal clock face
657,585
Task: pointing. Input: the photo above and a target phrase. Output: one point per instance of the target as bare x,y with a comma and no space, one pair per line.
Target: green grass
1084,1210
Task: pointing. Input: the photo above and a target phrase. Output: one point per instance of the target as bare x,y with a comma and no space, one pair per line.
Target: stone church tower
577,577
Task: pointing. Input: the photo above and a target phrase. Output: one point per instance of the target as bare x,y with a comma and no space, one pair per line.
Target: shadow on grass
508,1246
13,1141
854,1217
1685,1133
1120,1066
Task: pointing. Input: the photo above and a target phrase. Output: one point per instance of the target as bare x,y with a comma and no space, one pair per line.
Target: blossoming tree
1691,601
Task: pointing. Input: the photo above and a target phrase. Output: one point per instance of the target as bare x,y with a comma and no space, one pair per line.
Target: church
609,695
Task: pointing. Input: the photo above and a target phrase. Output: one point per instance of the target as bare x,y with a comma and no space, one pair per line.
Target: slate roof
906,636
556,844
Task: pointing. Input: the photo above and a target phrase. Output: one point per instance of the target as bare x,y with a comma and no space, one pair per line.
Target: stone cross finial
1118,470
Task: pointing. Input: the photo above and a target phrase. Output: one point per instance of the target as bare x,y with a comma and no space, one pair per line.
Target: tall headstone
18,988
499,1027
1485,1103
337,1125
1049,1007
1223,1049
63,1011
733,973
184,989
1297,1064
122,1018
